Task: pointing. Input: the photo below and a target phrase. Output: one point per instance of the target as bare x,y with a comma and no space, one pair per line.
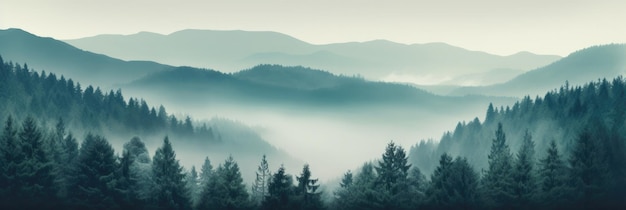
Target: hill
48,97
63,59
230,51
605,61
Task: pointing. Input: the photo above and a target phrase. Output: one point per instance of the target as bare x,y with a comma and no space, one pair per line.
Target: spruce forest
565,150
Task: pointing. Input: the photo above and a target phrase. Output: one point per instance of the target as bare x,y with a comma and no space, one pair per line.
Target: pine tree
454,185
588,171
206,173
94,181
193,185
498,183
11,156
34,172
263,177
170,188
306,190
280,192
139,175
225,190
392,173
552,178
524,180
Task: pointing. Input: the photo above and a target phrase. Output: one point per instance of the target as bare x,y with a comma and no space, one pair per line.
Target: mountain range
230,51
578,68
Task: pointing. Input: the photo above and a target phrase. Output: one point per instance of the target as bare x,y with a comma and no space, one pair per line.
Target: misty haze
332,105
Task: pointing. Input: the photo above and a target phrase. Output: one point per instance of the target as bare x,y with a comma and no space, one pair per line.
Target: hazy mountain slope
55,56
606,61
230,51
561,115
91,110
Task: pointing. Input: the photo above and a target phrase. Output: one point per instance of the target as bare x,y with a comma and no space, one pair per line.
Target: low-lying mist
332,139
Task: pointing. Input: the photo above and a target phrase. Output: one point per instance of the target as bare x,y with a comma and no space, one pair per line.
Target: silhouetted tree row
24,92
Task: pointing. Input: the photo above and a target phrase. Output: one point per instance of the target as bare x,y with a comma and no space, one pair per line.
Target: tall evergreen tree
170,190
280,192
306,190
11,156
226,189
497,183
35,171
552,177
588,171
524,179
95,177
193,185
261,183
454,185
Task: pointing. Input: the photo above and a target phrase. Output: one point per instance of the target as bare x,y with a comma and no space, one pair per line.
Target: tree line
49,170
24,92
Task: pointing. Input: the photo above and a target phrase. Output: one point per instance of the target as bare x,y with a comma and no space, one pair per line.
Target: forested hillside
24,92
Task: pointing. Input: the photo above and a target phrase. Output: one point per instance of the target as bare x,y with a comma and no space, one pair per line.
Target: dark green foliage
170,190
306,190
95,176
24,92
588,174
193,185
261,183
34,171
552,177
524,179
454,185
225,189
498,182
280,192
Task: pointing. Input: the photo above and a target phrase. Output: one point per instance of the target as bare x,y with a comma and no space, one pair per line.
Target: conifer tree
206,172
170,190
497,183
11,156
552,177
280,191
263,177
193,185
95,177
524,179
588,171
34,172
306,190
226,189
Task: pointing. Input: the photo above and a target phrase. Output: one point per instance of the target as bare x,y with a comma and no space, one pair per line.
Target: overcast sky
496,26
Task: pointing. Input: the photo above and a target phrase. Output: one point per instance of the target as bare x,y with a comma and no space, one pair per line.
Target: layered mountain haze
56,56
230,51
597,62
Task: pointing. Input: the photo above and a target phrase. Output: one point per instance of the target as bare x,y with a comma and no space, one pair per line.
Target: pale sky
501,27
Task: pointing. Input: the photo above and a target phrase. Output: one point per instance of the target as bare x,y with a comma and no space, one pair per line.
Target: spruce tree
306,190
206,172
11,156
170,190
280,191
34,172
588,171
497,183
226,189
263,177
95,177
552,177
193,185
524,179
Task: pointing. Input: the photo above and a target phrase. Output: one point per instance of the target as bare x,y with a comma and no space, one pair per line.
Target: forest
565,150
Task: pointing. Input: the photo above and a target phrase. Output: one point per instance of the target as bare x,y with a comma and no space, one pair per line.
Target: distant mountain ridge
56,56
230,51
597,62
